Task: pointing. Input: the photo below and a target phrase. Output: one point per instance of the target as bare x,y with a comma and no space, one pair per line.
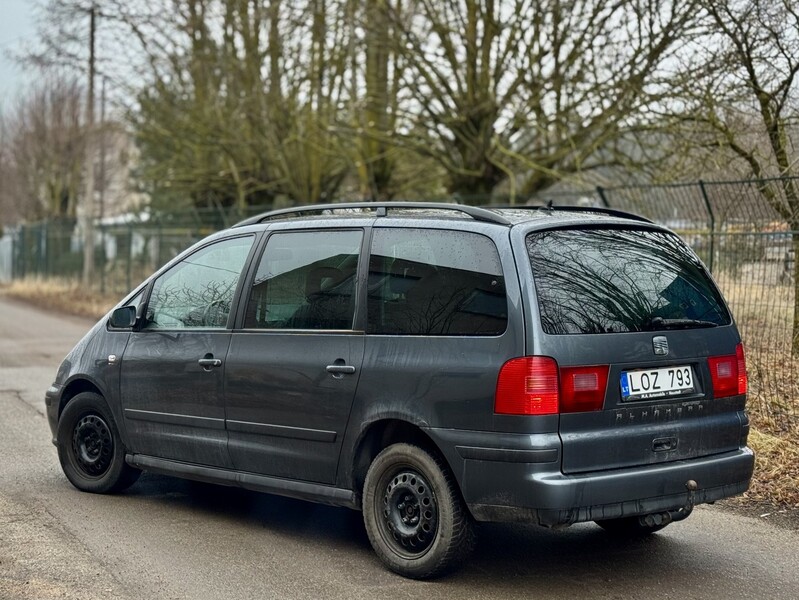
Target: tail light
728,373
533,385
583,388
527,386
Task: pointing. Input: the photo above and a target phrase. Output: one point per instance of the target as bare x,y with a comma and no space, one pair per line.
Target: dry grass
764,315
776,479
64,295
763,309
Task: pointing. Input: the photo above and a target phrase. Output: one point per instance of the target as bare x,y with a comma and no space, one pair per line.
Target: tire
630,527
414,515
90,449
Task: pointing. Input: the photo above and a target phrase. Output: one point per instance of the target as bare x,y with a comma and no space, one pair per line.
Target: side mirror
123,318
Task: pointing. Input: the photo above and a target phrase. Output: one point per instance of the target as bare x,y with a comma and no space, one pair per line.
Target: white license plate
656,383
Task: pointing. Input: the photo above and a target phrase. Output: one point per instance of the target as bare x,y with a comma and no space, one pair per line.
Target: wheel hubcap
92,445
410,513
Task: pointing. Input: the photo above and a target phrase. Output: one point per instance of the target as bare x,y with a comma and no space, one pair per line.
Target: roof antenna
549,204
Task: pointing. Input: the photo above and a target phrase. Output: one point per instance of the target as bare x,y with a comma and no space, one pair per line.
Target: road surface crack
18,395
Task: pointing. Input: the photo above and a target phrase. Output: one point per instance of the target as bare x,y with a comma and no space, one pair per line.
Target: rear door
293,366
634,313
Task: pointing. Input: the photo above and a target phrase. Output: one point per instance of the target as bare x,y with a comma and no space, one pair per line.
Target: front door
172,371
293,367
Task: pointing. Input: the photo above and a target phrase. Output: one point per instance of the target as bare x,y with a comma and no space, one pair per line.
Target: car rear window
620,280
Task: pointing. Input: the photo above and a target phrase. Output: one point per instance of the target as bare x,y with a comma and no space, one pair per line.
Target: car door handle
340,369
207,363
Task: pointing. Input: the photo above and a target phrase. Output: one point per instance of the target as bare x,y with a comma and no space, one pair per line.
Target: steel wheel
414,514
410,512
93,445
90,449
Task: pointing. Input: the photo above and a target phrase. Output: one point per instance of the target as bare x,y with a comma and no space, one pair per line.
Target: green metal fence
126,249
732,226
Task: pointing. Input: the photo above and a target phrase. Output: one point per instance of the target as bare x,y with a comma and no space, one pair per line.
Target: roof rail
611,212
382,208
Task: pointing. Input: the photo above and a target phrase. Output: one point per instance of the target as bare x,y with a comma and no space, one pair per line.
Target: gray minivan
429,364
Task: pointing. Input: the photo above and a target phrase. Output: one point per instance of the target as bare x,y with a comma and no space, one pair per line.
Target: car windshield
619,280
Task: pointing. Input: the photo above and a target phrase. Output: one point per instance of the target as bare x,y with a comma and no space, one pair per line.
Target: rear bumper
522,481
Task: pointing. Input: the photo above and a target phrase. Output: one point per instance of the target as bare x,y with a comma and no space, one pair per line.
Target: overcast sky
16,26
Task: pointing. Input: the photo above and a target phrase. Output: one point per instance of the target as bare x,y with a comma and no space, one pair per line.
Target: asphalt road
167,538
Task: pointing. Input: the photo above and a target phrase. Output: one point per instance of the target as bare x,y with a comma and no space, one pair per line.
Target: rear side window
305,280
432,282
612,280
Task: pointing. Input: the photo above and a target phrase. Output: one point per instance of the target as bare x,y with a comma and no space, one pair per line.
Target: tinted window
305,280
198,291
431,282
604,281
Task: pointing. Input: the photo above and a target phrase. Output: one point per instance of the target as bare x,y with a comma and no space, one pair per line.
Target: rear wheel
629,527
90,449
414,515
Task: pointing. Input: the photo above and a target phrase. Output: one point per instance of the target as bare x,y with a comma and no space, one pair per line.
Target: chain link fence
747,245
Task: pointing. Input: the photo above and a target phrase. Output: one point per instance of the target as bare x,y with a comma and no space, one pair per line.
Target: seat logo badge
660,344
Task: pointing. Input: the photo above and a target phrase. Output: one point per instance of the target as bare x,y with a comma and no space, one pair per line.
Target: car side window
305,280
198,291
433,282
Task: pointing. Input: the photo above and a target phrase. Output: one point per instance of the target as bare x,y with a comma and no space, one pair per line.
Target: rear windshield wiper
656,323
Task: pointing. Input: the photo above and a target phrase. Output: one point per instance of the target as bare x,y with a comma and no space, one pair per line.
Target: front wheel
90,449
414,515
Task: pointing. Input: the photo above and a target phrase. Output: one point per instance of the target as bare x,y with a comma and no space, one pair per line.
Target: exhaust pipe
672,516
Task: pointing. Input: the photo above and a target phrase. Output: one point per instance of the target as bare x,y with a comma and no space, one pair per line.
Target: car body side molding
301,490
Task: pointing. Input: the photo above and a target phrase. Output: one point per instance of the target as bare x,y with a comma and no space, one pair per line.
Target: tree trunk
537,183
378,165
475,189
795,331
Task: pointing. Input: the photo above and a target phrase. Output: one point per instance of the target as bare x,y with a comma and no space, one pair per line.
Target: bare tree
43,151
375,71
239,102
742,101
544,88
243,100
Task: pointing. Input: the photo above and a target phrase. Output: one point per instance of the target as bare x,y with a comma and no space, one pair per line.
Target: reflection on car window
611,280
305,280
432,282
198,291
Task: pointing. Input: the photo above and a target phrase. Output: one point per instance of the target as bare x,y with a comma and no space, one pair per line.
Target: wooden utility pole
88,200
103,134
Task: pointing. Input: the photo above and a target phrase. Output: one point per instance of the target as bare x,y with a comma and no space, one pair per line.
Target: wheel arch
380,434
75,387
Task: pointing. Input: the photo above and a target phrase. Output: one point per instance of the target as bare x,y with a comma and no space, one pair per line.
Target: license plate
656,383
